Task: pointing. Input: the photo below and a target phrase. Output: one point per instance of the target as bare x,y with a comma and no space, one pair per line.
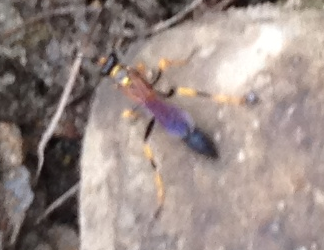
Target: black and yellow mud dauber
134,84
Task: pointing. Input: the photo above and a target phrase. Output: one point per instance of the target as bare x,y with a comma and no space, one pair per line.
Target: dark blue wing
174,120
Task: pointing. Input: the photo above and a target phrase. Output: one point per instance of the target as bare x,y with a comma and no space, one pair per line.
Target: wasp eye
108,63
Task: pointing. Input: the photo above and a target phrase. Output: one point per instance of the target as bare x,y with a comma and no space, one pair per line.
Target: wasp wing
176,121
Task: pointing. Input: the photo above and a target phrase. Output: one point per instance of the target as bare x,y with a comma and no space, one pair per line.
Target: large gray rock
266,191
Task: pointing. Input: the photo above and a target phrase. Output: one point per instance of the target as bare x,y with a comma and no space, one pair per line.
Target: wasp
176,122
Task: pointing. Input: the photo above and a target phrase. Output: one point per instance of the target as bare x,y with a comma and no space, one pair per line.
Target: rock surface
265,191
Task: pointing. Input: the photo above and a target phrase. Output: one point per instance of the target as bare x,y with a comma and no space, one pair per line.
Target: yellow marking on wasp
148,152
160,188
186,91
128,113
115,70
228,99
126,81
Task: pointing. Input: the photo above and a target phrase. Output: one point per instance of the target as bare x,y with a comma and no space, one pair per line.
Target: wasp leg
249,99
141,68
157,176
163,65
130,113
151,75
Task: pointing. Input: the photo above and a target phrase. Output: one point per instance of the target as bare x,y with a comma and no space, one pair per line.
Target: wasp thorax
108,64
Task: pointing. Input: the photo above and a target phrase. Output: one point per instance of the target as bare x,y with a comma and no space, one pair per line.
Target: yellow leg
148,74
165,63
248,99
141,68
129,114
162,66
160,191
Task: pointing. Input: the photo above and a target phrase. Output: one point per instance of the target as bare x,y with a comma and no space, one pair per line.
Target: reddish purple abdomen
174,120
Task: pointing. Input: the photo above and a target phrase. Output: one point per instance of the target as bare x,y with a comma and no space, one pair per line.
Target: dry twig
57,12
58,202
163,25
46,136
173,20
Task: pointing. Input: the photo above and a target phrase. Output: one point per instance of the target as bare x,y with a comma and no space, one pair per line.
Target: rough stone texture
266,191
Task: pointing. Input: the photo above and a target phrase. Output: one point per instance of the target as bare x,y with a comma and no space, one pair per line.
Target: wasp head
108,63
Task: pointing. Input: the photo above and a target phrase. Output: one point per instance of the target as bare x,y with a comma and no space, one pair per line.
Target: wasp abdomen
201,143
